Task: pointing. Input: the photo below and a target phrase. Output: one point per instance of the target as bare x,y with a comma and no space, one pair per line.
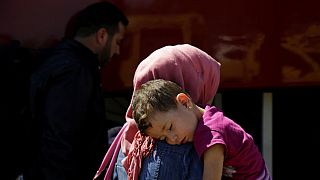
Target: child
162,110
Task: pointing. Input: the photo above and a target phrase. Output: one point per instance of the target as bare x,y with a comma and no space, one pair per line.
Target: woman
196,72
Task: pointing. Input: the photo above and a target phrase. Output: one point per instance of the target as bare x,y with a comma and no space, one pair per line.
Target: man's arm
66,110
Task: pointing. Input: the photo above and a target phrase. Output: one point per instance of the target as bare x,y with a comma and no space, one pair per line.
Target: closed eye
164,137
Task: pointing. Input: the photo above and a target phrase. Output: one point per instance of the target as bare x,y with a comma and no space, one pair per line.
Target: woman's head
188,66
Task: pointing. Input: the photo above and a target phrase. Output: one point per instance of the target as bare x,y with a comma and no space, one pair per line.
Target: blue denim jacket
166,162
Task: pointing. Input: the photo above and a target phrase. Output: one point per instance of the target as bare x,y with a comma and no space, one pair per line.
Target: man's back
68,110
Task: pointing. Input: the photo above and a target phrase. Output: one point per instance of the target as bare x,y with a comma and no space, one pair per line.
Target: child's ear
183,99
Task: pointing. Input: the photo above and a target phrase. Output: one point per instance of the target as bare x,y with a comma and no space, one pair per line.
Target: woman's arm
213,162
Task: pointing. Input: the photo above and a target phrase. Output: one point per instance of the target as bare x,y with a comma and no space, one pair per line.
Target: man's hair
153,96
95,16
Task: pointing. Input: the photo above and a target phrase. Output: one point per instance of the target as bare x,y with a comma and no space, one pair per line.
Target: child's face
176,126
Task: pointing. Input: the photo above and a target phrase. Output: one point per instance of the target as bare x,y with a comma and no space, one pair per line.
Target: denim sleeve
172,162
119,173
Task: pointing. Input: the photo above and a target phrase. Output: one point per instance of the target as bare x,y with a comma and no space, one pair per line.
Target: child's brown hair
154,95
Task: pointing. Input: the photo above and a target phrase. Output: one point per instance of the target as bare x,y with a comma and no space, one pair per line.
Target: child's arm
213,162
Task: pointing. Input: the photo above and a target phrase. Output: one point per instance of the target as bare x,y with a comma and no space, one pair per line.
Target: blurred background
269,51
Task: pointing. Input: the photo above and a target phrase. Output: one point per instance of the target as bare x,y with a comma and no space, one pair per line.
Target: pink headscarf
192,69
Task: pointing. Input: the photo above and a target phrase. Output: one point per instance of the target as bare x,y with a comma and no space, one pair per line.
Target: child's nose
172,139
